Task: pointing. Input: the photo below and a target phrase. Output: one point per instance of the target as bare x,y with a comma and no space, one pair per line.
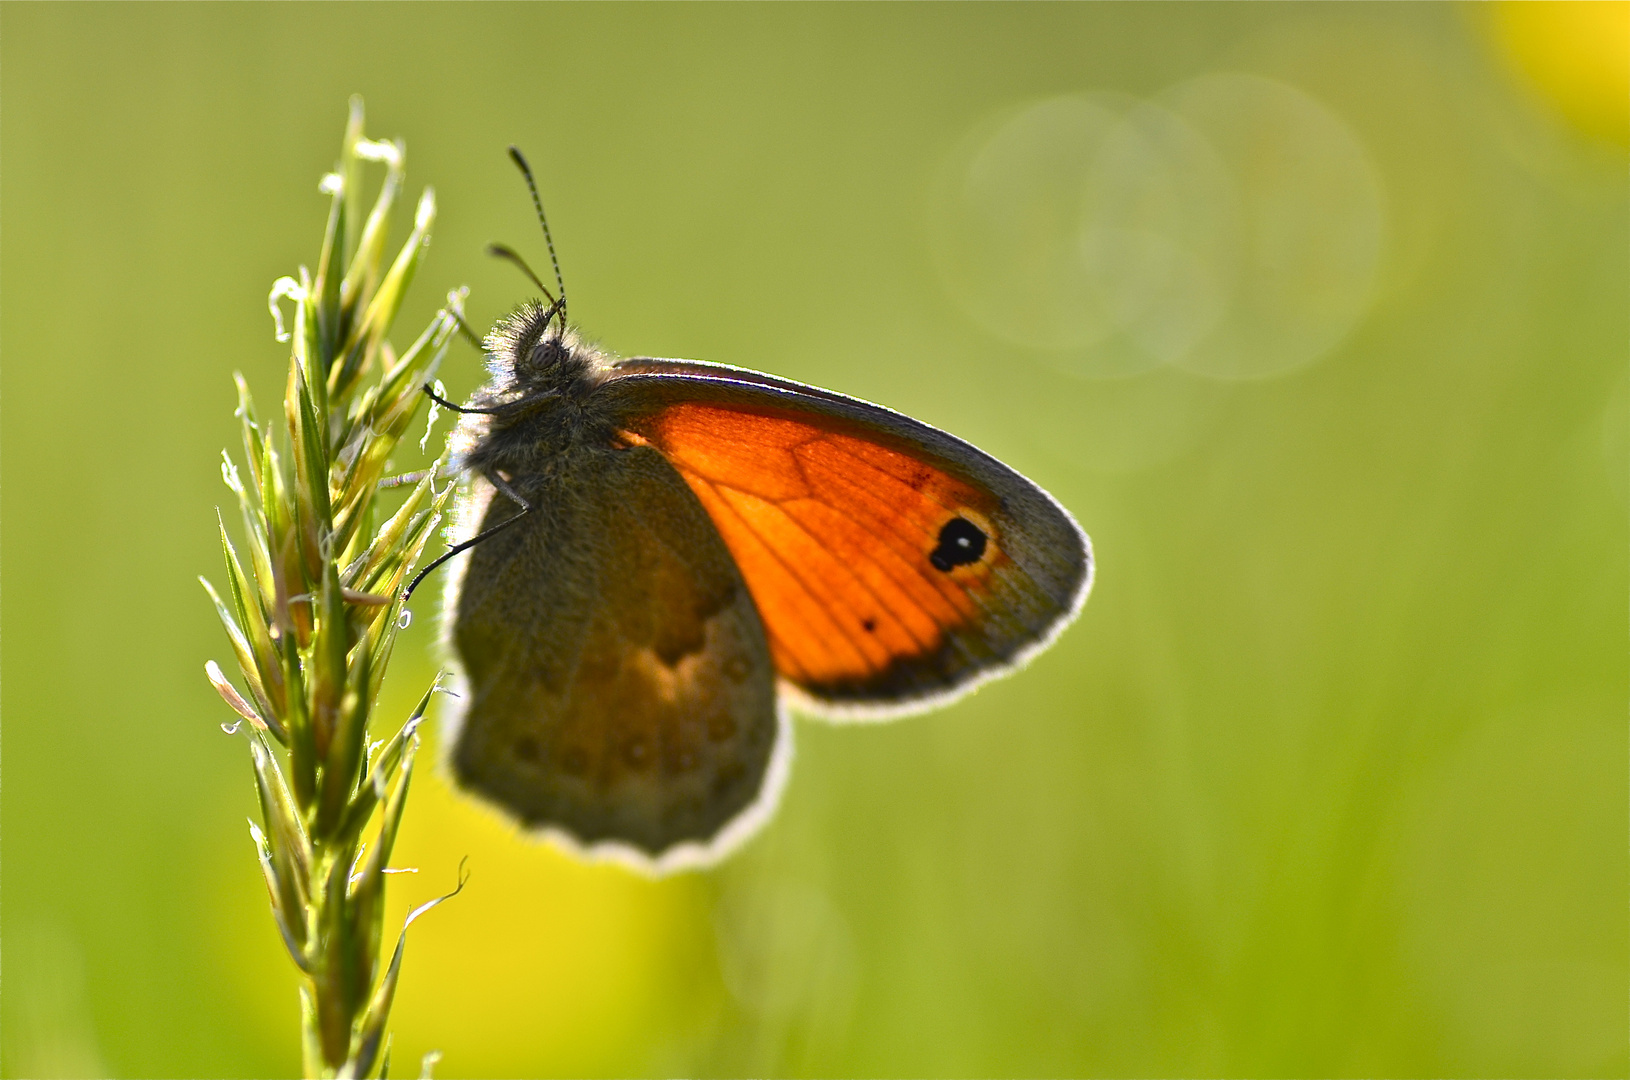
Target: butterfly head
540,400
529,349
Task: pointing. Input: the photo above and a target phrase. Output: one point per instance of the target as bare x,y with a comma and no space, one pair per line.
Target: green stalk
314,613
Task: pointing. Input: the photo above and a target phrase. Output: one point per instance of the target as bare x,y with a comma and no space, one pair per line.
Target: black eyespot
961,542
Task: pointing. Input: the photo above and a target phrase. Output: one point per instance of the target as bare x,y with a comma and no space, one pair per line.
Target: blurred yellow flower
543,964
1576,54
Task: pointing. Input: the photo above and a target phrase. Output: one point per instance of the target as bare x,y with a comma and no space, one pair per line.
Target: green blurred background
1315,316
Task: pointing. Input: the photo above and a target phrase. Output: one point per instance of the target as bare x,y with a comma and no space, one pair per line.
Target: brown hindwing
619,683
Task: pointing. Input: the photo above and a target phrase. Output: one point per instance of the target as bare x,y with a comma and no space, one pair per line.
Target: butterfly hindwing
891,563
619,684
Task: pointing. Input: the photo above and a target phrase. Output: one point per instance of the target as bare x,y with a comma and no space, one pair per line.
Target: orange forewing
832,534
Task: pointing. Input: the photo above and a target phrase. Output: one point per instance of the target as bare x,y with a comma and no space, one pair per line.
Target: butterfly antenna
464,328
504,251
537,204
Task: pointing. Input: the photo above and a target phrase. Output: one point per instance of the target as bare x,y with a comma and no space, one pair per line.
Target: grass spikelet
313,610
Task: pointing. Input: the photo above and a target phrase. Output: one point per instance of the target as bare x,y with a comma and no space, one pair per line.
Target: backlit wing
891,563
619,690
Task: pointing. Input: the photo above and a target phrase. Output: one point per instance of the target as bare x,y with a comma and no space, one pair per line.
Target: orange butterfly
669,550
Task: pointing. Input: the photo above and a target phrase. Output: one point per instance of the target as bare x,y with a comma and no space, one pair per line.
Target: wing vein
942,584
792,574
801,578
883,569
780,504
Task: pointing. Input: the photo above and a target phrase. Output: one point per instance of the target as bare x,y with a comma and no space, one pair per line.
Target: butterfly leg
530,399
408,479
403,479
444,403
464,328
508,492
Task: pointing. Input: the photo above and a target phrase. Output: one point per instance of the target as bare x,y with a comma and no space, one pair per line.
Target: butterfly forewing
891,563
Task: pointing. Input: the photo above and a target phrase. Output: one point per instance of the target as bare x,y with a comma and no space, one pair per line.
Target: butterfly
663,555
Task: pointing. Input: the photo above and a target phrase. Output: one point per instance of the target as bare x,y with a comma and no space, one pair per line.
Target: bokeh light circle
1160,217
1231,228
1007,214
1310,228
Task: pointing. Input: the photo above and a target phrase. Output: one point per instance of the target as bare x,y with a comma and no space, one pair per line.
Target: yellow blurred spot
543,964
1576,53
